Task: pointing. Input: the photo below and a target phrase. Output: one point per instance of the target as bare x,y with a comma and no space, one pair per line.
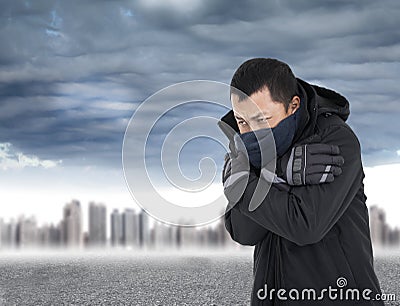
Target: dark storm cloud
73,72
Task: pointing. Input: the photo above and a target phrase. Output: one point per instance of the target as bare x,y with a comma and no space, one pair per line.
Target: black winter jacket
314,236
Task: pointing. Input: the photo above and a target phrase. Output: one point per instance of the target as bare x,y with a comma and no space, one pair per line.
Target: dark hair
257,73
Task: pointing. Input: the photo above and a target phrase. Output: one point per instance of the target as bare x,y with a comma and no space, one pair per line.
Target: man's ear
294,104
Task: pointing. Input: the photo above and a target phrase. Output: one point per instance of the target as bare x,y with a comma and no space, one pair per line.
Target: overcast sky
73,72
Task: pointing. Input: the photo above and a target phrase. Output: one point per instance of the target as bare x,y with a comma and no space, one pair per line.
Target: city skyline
131,229
128,228
380,187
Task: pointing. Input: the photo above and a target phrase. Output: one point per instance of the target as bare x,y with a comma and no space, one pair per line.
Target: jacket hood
315,101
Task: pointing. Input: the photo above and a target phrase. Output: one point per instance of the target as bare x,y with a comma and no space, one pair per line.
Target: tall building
11,234
116,228
381,233
223,235
44,235
86,239
163,235
72,224
63,232
97,224
130,228
188,236
202,239
55,236
144,229
2,233
394,237
377,221
27,232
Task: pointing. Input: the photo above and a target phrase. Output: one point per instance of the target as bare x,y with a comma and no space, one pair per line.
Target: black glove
235,174
314,163
230,134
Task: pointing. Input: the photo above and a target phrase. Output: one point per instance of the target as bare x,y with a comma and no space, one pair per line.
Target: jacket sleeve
304,214
242,228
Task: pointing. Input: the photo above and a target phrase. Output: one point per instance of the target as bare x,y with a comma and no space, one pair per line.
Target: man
310,228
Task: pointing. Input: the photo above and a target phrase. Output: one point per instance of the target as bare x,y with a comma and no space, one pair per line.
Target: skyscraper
163,235
116,228
2,233
188,236
43,238
130,228
11,233
55,235
27,232
378,226
223,235
144,227
97,224
72,223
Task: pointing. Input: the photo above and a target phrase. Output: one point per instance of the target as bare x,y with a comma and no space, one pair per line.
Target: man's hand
235,174
308,164
314,163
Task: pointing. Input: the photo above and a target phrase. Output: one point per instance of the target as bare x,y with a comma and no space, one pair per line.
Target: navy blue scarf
283,135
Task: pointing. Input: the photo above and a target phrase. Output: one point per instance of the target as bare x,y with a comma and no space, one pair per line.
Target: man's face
261,112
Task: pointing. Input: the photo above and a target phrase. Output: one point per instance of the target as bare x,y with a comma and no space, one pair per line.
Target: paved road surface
142,279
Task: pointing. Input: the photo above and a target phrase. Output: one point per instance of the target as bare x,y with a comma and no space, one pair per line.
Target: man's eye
263,119
242,122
